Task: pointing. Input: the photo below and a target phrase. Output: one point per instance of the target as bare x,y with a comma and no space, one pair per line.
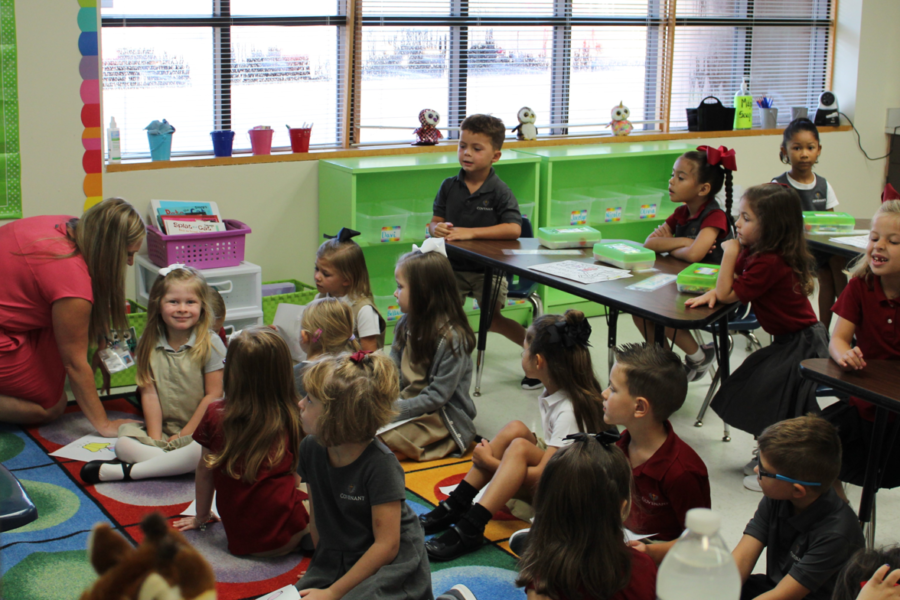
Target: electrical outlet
893,121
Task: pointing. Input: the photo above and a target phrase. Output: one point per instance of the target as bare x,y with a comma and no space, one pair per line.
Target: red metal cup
261,141
300,139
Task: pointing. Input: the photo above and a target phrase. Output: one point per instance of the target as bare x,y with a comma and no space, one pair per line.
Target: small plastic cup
300,139
799,112
261,141
768,118
223,142
160,146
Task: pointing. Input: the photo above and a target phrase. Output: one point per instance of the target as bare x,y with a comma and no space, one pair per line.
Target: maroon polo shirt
877,322
716,219
772,286
673,481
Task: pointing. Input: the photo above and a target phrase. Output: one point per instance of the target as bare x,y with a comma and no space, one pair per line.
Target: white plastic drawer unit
240,287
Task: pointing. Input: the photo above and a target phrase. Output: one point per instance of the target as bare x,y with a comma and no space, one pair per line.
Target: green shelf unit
354,192
568,172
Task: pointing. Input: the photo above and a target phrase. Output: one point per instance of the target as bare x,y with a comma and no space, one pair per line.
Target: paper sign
191,510
581,272
88,448
390,234
174,227
288,592
652,283
578,217
857,241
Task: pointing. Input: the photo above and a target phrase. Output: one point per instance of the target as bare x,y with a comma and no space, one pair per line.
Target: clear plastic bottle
113,142
699,565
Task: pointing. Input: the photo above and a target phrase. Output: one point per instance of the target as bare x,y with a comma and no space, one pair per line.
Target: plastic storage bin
625,254
570,212
201,250
666,206
527,210
240,286
698,278
383,293
242,319
304,295
381,223
420,213
568,237
827,222
608,206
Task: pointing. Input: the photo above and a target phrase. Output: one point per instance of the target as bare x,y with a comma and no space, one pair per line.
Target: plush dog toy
163,567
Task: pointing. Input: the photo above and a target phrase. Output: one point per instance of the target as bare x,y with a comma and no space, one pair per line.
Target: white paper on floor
288,592
88,448
191,510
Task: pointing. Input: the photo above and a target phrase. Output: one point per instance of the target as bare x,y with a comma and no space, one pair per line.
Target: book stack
177,217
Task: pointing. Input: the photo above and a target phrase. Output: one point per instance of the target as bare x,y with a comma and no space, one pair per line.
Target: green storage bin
137,319
625,254
698,278
568,237
827,222
304,295
381,223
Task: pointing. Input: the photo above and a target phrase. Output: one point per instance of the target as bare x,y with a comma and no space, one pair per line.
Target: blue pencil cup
160,145
222,142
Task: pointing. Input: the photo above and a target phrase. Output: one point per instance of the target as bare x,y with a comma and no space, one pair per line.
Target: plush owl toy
526,130
620,123
428,134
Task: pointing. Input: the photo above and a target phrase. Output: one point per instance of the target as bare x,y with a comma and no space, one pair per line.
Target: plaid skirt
767,387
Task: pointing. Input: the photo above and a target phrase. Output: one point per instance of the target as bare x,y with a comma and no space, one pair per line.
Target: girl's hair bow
607,438
359,356
344,235
720,156
173,267
432,245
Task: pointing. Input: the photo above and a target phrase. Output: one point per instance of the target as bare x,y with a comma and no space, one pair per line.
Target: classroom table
821,241
663,307
878,383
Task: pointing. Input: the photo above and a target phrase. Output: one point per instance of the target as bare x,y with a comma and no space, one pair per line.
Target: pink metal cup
261,141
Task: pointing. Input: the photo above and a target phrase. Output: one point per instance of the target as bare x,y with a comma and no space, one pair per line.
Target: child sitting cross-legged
556,353
646,385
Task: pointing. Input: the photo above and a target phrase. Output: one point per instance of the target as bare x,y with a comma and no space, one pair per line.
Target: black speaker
827,111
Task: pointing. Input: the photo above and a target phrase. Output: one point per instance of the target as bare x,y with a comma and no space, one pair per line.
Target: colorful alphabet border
92,137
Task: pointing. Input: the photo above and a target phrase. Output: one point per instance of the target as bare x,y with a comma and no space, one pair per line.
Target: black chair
525,289
16,508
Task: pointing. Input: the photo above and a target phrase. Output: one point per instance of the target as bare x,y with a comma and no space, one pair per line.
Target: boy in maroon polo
646,385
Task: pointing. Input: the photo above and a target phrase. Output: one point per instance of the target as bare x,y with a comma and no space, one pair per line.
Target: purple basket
201,250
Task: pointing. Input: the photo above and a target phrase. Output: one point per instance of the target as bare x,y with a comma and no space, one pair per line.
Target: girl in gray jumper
432,346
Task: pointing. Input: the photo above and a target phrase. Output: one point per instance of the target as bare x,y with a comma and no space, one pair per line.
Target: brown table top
878,383
820,241
664,305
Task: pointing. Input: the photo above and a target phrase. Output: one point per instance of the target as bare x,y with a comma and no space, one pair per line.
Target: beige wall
279,201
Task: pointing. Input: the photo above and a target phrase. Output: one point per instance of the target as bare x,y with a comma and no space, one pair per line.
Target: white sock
697,356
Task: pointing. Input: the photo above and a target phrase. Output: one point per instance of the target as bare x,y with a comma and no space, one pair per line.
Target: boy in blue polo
476,204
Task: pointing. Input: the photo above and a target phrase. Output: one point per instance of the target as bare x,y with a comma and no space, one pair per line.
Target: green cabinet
389,198
619,189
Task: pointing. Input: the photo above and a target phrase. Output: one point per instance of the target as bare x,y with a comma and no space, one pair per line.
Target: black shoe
519,541
457,592
531,384
90,472
453,544
439,519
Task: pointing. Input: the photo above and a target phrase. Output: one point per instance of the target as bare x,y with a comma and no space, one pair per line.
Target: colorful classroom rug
47,559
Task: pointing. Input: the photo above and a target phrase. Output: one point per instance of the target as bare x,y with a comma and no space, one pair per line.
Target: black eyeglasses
760,473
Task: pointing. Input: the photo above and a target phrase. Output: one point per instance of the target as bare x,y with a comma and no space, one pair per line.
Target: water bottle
699,565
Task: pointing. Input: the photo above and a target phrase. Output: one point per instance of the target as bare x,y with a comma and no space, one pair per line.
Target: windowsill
442,147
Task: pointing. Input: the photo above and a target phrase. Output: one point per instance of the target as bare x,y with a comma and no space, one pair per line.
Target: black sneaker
457,592
531,384
519,541
453,544
697,370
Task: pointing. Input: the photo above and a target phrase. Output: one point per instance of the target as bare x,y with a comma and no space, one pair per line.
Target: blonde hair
216,304
357,397
156,328
261,419
329,324
860,267
347,258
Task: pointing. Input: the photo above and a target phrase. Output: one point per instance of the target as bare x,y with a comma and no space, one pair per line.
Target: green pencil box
698,278
625,254
827,222
568,237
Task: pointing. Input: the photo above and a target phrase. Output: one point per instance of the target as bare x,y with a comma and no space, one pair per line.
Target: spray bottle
113,142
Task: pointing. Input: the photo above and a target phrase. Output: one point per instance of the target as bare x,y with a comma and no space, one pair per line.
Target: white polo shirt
557,418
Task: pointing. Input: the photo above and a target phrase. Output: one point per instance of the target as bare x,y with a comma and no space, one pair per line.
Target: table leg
870,483
612,321
486,304
659,335
724,357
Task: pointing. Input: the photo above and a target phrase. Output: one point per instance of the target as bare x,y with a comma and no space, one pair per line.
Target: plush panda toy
620,123
526,130
428,134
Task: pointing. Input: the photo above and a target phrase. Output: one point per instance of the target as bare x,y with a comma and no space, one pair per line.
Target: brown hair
434,307
570,366
805,448
102,237
861,566
654,373
781,229
261,419
329,324
216,305
717,177
584,483
357,397
860,267
156,328
347,258
490,126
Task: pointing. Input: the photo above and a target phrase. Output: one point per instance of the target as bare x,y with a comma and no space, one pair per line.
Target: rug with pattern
47,560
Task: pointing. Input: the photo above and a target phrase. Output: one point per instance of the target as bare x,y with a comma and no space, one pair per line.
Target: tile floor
503,400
